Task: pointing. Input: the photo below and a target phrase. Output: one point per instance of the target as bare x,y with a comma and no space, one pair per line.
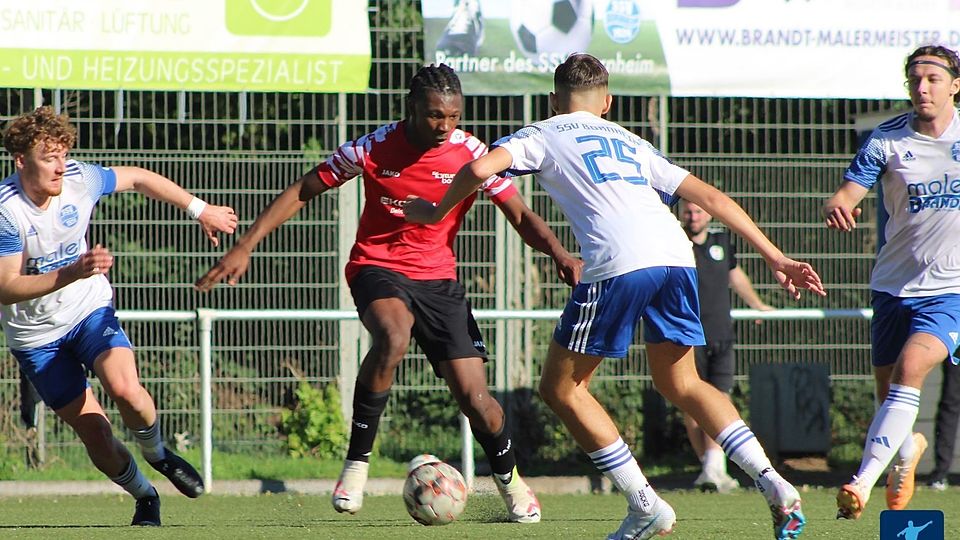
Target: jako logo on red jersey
388,172
444,178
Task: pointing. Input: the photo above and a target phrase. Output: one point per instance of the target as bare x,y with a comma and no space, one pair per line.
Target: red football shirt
392,171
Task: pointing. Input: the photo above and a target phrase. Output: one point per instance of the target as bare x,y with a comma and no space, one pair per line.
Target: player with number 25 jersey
638,265
593,167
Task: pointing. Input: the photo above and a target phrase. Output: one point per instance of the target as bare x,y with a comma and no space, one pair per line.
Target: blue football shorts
896,318
58,370
600,318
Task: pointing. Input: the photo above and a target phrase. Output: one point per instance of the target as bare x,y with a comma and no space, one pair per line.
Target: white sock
353,465
151,443
714,459
134,482
768,477
618,464
891,426
743,448
907,448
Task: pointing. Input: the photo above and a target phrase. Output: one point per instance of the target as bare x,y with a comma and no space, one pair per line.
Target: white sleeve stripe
497,190
495,185
475,146
345,165
472,143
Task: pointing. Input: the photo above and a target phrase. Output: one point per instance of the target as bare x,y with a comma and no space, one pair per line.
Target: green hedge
428,422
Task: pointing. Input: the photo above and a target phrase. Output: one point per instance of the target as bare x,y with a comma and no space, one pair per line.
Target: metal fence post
205,318
466,451
348,207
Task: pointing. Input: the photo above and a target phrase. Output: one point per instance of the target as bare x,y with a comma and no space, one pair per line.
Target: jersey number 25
611,148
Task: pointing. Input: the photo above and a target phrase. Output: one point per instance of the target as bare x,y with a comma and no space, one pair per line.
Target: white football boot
522,503
348,494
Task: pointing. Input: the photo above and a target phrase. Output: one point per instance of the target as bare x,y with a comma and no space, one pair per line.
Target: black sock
367,408
499,450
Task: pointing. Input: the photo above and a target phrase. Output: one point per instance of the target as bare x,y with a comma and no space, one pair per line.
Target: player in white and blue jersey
914,160
638,264
57,310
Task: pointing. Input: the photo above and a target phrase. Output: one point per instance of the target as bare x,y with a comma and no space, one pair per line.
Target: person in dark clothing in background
717,272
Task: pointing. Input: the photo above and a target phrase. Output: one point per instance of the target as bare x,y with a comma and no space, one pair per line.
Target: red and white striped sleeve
498,188
344,164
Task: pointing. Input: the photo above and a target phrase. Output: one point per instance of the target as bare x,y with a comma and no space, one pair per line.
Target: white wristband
195,208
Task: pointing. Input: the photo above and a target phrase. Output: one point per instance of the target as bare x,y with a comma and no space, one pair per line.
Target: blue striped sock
892,424
743,448
621,468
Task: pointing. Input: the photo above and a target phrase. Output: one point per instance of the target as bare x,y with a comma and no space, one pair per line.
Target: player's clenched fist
97,260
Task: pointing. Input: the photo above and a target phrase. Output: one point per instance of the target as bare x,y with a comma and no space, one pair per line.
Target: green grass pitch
740,516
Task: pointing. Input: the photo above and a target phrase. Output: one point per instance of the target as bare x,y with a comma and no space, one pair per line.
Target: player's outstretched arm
537,234
16,287
213,219
234,264
742,285
790,274
467,181
793,276
840,211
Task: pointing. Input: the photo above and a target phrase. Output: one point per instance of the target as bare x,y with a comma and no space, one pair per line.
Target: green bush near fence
315,426
851,410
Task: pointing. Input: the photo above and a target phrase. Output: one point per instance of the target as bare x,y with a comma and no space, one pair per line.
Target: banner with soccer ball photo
736,48
505,47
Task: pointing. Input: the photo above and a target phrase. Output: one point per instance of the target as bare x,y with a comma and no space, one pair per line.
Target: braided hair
436,78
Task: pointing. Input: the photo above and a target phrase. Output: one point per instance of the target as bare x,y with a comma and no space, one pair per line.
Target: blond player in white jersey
914,159
57,310
638,265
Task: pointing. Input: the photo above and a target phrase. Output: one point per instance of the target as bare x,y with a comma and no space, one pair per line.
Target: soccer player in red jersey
403,275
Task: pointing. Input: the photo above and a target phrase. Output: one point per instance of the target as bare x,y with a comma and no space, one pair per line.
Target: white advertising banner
254,45
766,48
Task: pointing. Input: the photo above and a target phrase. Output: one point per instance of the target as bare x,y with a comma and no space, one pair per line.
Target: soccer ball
434,493
549,30
422,459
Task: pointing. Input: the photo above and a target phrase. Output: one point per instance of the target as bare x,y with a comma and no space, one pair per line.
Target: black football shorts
443,327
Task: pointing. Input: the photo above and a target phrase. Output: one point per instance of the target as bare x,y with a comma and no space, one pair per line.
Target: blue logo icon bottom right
911,525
